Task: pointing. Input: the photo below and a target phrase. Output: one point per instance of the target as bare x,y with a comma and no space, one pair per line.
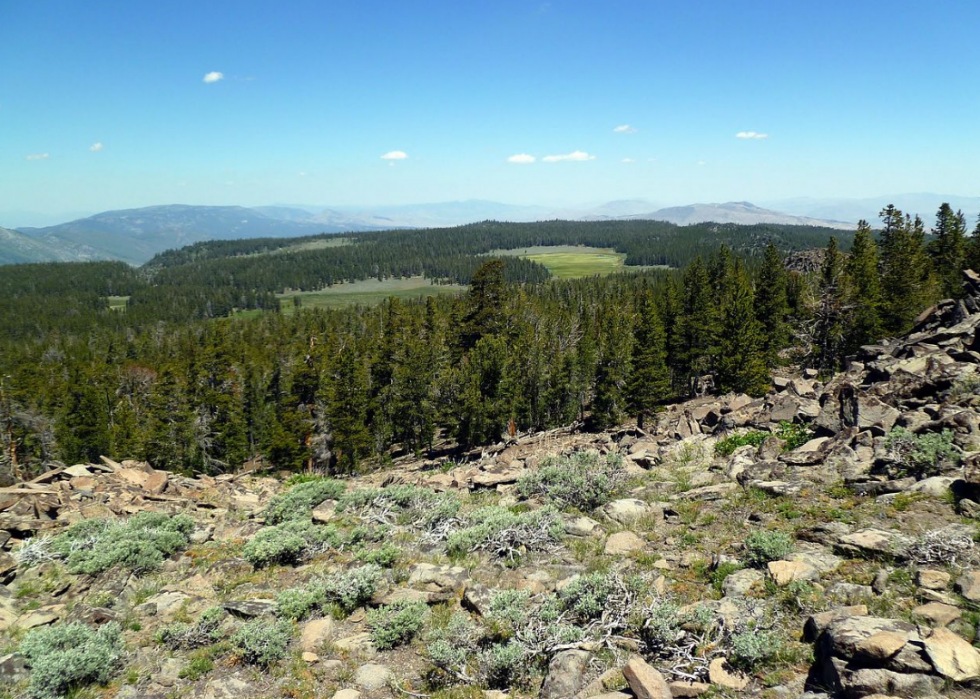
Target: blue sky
846,99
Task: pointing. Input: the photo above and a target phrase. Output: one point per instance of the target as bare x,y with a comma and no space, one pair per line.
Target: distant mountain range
135,235
853,210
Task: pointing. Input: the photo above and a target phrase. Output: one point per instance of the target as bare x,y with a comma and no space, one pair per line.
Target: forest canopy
171,380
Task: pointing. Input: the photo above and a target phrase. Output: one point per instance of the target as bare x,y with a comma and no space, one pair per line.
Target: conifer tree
948,250
865,288
649,383
906,280
347,407
609,403
741,362
973,249
829,313
698,325
485,300
771,307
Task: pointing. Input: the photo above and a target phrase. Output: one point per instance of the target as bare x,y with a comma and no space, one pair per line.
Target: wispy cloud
751,135
37,156
96,147
628,160
395,155
576,156
624,128
214,76
521,159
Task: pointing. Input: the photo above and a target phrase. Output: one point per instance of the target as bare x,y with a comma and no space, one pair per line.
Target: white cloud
37,156
214,76
96,147
628,160
624,128
701,163
521,159
576,156
395,155
302,174
753,135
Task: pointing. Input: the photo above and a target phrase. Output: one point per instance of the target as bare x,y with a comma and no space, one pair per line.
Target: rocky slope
818,542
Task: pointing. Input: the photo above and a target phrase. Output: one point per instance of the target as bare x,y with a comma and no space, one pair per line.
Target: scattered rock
315,633
953,657
645,681
565,673
937,613
372,676
785,572
721,675
968,585
622,543
626,511
933,579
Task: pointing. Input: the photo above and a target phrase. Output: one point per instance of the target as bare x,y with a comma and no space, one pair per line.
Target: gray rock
741,581
250,608
565,674
372,676
13,669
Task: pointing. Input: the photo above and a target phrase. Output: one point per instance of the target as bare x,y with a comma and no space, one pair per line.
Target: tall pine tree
649,382
865,286
741,362
771,307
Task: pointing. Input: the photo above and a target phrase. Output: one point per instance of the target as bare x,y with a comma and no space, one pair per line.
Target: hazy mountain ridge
136,235
925,204
19,248
741,212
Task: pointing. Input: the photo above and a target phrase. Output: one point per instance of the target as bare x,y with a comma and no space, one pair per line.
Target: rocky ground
818,542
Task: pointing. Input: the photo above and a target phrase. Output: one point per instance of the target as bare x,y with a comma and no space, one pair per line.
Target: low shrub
507,534
406,504
923,455
66,656
764,546
586,596
505,664
345,590
752,649
585,480
396,624
261,642
352,588
297,604
721,573
205,632
140,543
288,542
794,434
728,445
297,502
386,555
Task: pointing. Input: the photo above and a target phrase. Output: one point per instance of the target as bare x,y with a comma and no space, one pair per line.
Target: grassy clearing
117,303
367,291
571,261
314,245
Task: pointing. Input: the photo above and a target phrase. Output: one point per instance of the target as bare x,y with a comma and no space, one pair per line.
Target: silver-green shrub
396,624
65,656
584,480
261,642
140,543
299,501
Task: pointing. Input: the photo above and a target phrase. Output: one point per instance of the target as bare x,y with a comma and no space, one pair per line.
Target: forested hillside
165,381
